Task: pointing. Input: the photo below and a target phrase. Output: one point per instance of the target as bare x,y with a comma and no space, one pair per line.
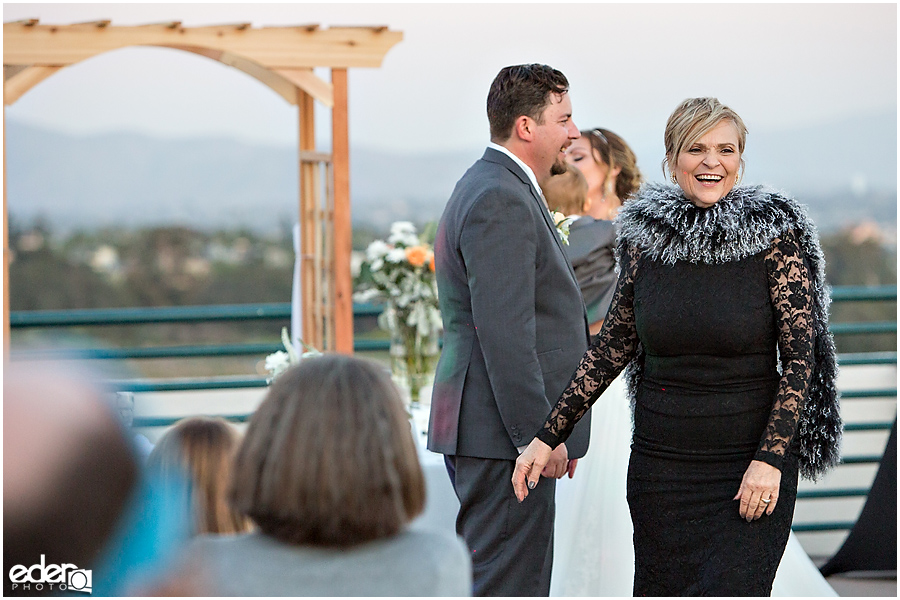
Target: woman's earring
672,177
737,179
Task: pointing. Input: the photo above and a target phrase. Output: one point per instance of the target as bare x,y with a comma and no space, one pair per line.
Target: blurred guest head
567,193
329,458
203,448
68,471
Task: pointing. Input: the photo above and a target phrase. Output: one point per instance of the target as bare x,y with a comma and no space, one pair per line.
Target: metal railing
282,311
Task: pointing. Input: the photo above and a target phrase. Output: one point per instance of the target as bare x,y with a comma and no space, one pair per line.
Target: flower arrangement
400,271
562,225
279,362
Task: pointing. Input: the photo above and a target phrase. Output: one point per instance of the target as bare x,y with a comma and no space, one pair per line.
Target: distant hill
845,171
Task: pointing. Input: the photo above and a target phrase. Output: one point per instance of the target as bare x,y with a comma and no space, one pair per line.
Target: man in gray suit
514,331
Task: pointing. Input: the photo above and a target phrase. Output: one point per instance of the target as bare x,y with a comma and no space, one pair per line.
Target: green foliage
856,256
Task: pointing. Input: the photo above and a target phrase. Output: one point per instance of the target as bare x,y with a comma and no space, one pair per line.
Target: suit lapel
500,158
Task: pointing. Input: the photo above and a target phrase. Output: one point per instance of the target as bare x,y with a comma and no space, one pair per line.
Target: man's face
553,135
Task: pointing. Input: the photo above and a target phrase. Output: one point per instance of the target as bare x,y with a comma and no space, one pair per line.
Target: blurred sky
778,65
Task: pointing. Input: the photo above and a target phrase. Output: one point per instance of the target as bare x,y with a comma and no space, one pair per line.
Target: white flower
279,362
402,227
403,233
376,250
396,255
366,295
562,225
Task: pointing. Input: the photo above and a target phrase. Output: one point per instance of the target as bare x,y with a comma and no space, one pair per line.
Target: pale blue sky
628,65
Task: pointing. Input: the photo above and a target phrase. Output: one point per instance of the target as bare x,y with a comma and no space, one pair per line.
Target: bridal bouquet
400,271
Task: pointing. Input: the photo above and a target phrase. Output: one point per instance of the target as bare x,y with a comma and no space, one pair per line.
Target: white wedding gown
593,552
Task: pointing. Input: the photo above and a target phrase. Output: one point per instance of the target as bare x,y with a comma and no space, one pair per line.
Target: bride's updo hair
692,119
612,150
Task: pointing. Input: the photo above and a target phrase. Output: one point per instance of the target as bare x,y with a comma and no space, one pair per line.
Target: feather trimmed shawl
665,226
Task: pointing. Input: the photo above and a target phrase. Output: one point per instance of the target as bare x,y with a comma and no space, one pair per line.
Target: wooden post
309,277
343,243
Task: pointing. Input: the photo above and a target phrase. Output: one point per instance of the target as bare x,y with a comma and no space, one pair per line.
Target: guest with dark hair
328,472
68,472
203,448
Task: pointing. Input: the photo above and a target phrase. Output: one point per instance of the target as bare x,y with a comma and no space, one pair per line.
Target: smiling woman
717,284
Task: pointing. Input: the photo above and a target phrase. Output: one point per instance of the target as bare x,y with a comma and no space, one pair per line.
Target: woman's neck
605,208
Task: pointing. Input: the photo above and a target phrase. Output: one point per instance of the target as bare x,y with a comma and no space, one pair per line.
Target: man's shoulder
494,171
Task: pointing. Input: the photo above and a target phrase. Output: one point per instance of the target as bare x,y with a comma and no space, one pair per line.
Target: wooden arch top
283,58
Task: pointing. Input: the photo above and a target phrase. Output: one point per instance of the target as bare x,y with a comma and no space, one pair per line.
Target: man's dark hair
521,90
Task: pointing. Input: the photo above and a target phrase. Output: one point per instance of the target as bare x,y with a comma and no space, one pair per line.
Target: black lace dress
711,399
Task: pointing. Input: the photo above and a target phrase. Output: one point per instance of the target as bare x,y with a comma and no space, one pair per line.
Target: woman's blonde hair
691,120
329,458
203,448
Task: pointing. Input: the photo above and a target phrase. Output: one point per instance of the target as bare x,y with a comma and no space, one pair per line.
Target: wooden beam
273,48
10,71
164,24
343,244
222,27
18,84
307,81
314,157
101,24
275,82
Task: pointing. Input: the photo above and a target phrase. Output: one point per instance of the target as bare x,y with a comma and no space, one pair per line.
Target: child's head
567,193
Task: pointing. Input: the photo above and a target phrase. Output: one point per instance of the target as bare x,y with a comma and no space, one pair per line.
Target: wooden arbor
283,58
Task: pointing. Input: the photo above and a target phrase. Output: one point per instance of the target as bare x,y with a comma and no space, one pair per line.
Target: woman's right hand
529,466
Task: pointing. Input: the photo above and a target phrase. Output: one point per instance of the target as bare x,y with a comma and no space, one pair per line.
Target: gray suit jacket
514,319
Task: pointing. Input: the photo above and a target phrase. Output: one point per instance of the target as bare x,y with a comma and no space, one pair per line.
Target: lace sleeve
790,290
611,350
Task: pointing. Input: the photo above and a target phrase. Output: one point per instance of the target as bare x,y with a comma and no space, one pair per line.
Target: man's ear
524,128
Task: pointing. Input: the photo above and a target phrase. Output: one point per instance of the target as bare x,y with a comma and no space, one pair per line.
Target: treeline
179,266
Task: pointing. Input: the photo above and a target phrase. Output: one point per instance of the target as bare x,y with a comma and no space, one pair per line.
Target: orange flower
417,255
431,261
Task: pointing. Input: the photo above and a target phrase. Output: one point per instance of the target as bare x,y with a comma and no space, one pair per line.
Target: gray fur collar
668,227
665,226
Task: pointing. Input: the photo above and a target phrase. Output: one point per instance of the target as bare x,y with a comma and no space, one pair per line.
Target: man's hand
558,464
